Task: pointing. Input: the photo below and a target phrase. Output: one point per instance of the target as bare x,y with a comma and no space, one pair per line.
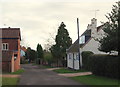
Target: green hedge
104,65
85,57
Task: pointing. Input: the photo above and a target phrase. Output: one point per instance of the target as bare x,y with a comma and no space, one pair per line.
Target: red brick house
10,49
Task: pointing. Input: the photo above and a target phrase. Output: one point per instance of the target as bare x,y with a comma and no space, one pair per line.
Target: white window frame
6,46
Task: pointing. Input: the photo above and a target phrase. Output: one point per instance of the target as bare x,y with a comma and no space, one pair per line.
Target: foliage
31,54
39,51
85,58
104,65
48,57
96,80
63,41
112,31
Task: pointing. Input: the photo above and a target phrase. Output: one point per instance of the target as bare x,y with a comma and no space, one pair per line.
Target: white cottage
87,43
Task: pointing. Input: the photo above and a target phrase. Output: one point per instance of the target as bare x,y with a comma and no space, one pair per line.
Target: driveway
33,75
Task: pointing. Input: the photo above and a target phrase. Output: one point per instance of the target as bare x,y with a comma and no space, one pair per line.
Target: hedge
85,56
104,65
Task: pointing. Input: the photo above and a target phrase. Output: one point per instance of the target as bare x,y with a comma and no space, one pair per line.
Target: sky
39,20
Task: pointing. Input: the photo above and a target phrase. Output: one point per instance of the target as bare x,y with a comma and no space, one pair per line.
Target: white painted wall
70,58
76,61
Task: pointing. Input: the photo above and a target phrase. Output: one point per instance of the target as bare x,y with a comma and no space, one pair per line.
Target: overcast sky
38,18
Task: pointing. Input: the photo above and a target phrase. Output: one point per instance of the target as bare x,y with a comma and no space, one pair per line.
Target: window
4,46
82,40
15,56
77,57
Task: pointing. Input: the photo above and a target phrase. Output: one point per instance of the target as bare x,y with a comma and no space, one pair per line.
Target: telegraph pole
80,61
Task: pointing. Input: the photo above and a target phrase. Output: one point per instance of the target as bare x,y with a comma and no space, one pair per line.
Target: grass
46,66
95,80
6,81
64,70
20,71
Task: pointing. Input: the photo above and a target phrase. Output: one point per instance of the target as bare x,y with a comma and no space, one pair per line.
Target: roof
23,48
87,34
74,47
11,33
7,56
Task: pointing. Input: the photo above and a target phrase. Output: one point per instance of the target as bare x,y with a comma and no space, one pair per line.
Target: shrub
104,65
85,58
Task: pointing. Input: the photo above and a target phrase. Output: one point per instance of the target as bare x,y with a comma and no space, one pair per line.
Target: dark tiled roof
7,55
73,47
87,34
10,33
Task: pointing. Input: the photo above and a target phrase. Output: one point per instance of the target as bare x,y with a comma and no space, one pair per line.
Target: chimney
93,27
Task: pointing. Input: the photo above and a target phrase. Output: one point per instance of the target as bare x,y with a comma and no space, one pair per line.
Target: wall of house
13,43
92,45
76,61
69,60
6,66
17,61
12,63
70,63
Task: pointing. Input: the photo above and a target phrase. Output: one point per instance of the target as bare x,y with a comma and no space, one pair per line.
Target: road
35,75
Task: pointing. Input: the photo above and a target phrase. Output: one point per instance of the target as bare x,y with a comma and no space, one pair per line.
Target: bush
85,58
104,65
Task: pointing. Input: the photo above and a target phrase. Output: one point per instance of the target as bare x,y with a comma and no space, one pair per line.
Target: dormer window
4,46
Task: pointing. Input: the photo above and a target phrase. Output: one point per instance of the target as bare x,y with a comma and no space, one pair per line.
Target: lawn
95,80
12,82
20,71
64,70
6,81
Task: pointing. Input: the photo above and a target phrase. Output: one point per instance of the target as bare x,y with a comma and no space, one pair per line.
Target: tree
40,52
63,42
31,54
112,31
48,57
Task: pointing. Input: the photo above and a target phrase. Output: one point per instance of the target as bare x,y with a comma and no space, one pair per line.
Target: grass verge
20,71
95,80
64,70
7,81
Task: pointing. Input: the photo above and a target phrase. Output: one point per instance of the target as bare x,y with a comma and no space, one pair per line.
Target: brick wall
17,61
13,43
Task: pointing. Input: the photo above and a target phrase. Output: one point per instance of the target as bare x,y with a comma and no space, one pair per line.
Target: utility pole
80,60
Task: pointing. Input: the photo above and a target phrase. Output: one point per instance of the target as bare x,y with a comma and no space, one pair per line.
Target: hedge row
85,56
103,65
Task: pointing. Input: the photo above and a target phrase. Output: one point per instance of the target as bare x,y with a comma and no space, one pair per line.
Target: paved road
33,75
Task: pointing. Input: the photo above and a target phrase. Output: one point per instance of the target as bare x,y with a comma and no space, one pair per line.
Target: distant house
10,49
22,54
22,51
87,43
